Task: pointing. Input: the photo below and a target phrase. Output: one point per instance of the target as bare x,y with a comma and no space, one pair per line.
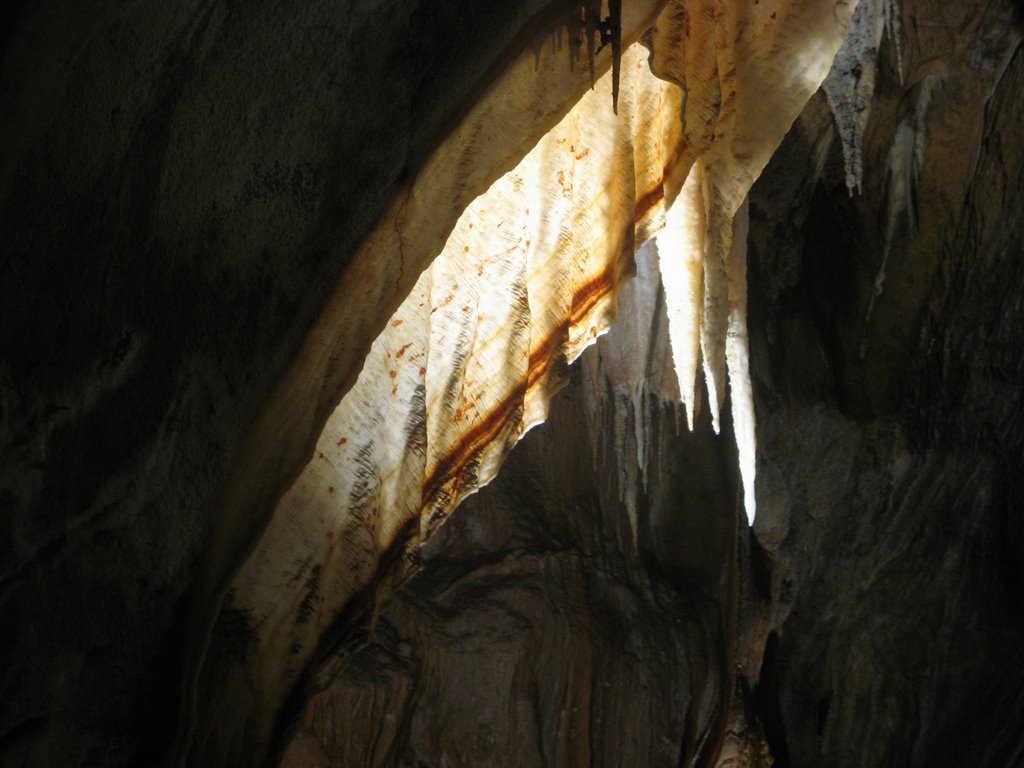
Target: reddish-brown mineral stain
490,425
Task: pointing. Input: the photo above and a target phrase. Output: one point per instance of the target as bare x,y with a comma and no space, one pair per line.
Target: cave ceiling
280,292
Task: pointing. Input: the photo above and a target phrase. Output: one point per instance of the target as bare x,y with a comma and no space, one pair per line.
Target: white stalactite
681,262
737,352
742,94
525,281
715,322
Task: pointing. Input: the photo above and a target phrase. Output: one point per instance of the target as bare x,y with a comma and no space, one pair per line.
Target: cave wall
891,417
540,628
179,190
872,615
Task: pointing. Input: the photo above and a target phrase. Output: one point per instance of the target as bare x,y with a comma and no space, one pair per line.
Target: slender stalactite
614,32
585,26
525,281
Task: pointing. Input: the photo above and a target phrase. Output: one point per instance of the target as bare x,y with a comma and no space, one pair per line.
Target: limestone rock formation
181,192
526,278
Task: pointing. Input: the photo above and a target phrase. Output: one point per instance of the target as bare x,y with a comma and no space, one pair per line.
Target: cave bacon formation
523,277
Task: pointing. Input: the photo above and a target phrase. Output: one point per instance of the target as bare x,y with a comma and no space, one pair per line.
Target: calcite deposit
336,430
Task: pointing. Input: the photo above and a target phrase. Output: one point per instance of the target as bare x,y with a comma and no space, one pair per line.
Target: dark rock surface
167,238
533,636
891,422
538,630
180,188
875,612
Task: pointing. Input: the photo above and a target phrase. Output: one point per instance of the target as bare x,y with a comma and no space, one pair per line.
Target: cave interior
210,217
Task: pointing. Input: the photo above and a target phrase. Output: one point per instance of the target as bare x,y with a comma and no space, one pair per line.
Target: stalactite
525,281
592,31
850,84
733,129
585,26
737,351
614,23
715,316
680,260
680,247
893,13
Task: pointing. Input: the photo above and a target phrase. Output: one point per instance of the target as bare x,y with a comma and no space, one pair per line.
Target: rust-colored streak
585,298
476,439
649,200
590,293
492,423
544,355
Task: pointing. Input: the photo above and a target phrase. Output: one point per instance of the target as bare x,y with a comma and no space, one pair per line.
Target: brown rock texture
537,630
180,189
872,615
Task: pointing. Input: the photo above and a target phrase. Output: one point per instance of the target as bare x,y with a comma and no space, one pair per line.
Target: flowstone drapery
523,282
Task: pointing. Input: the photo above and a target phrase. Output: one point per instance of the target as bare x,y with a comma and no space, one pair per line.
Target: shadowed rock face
874,613
538,630
891,422
533,636
165,242
179,190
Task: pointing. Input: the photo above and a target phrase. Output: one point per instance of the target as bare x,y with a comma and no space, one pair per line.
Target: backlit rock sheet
525,281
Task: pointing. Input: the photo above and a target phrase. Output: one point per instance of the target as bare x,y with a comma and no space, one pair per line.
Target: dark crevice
767,706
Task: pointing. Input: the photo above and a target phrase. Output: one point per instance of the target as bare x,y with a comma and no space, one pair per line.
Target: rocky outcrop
526,279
